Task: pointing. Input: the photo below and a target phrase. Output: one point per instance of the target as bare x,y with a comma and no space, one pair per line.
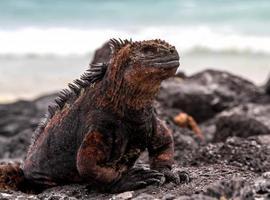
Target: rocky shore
232,162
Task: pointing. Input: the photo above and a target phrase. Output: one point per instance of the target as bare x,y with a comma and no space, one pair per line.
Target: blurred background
46,44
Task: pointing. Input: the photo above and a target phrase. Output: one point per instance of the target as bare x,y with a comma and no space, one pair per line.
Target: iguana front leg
92,156
161,153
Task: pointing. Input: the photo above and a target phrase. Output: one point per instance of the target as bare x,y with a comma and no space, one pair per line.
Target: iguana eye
149,50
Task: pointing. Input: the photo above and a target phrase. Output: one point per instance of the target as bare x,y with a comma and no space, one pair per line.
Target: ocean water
76,27
55,39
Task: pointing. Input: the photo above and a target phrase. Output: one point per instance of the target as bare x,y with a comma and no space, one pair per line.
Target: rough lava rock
102,54
17,124
252,153
207,93
185,146
42,103
242,121
239,189
21,115
17,117
267,86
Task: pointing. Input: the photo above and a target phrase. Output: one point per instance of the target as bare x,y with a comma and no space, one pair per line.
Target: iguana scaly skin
99,128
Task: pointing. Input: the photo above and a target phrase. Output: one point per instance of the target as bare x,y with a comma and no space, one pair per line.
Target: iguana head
143,63
136,69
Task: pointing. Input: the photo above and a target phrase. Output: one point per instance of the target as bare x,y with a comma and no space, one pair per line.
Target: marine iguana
97,130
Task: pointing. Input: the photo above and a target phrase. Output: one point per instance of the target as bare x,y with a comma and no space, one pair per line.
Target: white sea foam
66,41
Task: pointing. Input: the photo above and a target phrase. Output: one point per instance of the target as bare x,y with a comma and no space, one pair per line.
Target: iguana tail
11,176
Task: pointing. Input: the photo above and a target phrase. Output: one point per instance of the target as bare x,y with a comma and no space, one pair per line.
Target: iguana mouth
167,64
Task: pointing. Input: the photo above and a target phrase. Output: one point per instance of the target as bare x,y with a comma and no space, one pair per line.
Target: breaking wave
67,41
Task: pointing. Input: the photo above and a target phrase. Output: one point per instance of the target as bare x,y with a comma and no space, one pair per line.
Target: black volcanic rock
16,146
21,115
16,117
42,103
239,189
267,86
17,124
243,121
252,153
102,55
207,93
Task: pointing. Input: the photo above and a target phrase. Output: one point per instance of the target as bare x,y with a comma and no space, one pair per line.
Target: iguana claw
176,177
137,178
184,177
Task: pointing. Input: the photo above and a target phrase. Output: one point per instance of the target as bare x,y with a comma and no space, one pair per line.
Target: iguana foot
176,177
137,178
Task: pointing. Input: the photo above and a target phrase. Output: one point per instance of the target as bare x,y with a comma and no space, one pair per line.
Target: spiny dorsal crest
94,73
116,45
68,96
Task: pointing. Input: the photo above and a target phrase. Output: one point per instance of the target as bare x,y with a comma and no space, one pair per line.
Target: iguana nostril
172,50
